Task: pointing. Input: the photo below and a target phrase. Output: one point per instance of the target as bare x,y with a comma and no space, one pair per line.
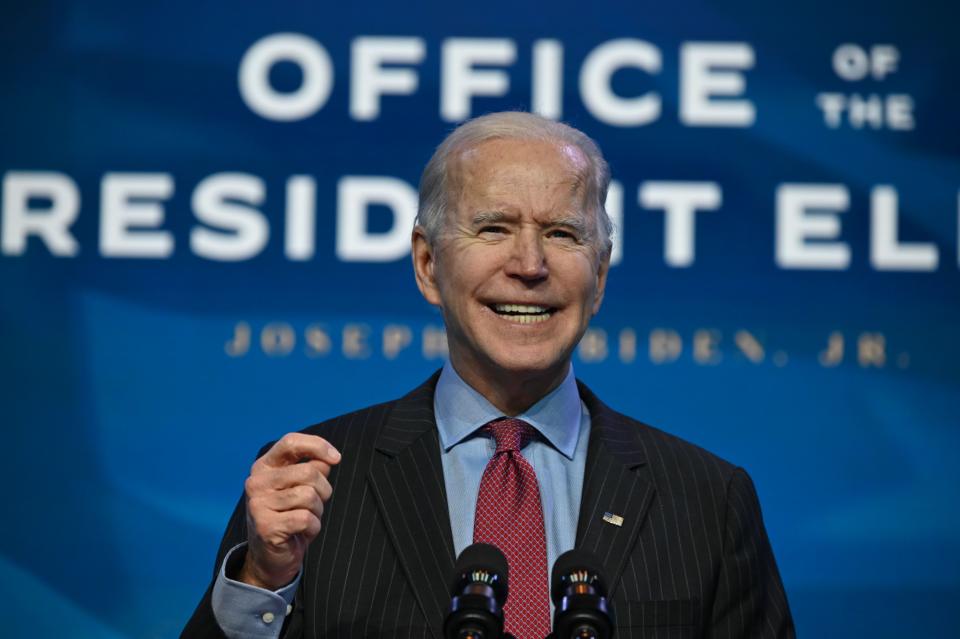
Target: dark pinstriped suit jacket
691,559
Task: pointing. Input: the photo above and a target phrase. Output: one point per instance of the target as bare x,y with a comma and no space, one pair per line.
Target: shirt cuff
247,612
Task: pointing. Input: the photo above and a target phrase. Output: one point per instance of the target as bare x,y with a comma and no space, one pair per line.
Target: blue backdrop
198,252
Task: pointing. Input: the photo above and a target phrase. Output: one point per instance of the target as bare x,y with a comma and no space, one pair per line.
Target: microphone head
484,563
576,566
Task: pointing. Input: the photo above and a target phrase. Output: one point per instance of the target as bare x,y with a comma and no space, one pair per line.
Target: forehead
518,170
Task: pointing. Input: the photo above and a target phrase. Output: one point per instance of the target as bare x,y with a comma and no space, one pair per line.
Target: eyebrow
575,223
489,217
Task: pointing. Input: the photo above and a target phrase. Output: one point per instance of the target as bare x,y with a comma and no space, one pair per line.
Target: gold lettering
396,337
749,346
593,346
277,339
872,350
628,345
239,344
318,341
705,346
434,342
665,345
833,353
355,341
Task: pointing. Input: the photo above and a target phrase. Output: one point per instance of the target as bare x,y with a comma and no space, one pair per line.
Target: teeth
530,319
523,313
519,308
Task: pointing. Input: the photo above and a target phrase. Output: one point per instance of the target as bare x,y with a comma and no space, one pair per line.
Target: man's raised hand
285,493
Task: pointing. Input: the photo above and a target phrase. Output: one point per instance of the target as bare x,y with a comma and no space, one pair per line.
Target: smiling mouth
523,313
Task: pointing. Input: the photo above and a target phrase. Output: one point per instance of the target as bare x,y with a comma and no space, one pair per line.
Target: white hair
513,125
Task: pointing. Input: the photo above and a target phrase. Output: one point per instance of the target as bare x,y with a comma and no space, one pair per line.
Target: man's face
516,270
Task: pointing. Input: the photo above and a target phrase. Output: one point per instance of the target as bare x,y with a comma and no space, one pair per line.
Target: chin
529,365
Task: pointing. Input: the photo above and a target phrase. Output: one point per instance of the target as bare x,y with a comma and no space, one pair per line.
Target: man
513,245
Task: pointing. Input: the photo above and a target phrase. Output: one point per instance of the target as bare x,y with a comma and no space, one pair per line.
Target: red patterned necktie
510,517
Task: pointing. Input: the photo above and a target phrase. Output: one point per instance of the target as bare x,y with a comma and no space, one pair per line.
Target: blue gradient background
129,430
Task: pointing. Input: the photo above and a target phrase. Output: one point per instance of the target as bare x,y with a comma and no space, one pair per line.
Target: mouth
523,313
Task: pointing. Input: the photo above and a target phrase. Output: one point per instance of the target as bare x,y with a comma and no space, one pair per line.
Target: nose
528,261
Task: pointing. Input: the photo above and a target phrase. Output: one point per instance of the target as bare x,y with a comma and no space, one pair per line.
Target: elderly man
350,528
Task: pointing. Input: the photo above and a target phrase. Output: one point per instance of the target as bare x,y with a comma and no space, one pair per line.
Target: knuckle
302,493
298,474
287,442
256,466
262,529
301,519
312,474
257,508
326,490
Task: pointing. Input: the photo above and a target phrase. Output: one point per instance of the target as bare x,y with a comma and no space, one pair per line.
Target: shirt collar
460,411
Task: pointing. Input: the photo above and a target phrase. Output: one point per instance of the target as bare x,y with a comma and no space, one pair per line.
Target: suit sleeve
203,624
750,600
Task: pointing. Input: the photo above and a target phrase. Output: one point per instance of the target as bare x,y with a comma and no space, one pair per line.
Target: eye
492,228
562,234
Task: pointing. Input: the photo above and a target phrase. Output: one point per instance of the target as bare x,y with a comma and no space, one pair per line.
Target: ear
424,266
602,270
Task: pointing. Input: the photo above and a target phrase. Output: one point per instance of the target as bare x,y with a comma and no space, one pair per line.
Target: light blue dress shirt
558,457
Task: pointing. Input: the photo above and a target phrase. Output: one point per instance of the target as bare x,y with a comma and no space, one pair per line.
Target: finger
299,447
296,447
281,527
303,522
321,466
267,507
311,473
294,498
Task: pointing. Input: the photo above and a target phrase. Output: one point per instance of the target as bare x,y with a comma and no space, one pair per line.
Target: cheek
456,287
577,274
474,266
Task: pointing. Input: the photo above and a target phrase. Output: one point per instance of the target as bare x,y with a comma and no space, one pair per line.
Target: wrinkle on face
465,175
518,231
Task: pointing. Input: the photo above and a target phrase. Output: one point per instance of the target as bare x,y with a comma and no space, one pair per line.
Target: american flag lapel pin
611,518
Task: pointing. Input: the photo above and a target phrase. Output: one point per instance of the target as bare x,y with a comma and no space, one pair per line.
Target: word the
853,63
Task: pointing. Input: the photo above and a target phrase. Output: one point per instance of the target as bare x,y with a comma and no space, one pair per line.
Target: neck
512,392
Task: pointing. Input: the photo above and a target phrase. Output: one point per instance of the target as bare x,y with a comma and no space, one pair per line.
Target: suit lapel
611,485
407,478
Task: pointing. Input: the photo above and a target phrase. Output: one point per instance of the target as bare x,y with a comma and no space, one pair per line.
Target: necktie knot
510,434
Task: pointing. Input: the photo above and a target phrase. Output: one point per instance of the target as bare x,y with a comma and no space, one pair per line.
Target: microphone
479,591
580,598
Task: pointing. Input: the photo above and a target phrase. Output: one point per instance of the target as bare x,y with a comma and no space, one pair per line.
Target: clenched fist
285,494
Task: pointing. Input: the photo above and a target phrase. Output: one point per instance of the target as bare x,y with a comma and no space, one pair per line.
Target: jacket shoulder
366,417
677,445
659,449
